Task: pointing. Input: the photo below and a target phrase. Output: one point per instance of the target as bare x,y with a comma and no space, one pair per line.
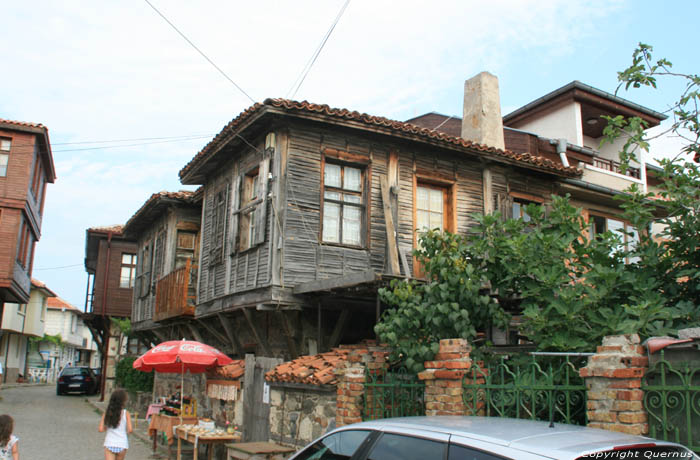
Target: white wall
562,121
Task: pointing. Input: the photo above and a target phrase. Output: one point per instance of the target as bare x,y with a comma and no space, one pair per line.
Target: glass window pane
465,453
331,176
331,227
352,198
332,196
516,210
435,220
125,278
5,144
3,164
422,198
422,220
353,179
338,446
352,216
394,446
436,200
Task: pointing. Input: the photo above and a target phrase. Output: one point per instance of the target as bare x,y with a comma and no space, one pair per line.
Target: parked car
481,438
76,380
98,378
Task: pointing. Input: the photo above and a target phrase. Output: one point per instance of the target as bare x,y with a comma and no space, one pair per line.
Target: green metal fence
672,401
539,387
392,394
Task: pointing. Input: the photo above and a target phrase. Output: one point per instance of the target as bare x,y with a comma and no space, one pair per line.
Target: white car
482,438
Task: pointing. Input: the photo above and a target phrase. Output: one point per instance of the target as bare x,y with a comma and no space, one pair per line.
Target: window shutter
260,215
504,204
235,206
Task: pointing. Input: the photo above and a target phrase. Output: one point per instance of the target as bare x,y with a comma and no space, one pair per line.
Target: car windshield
75,371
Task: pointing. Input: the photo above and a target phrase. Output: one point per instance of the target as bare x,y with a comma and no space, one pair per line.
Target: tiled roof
185,196
57,303
314,370
232,371
107,229
41,285
393,126
23,123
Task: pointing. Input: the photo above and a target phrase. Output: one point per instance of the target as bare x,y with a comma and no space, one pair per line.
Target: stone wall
228,411
301,413
195,386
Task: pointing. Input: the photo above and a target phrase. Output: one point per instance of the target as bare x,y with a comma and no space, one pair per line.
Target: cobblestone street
54,427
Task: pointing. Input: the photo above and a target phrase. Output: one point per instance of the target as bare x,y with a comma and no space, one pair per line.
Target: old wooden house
26,166
308,209
166,231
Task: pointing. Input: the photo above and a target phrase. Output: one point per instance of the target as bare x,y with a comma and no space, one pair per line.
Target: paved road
54,427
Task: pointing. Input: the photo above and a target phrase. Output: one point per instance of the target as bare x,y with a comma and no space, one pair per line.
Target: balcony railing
175,295
614,166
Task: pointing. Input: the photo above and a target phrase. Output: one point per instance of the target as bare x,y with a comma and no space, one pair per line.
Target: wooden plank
394,268
160,335
213,332
256,332
337,334
195,333
488,190
404,261
233,339
354,279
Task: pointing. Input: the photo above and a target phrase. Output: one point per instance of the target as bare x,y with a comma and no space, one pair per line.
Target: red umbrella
179,356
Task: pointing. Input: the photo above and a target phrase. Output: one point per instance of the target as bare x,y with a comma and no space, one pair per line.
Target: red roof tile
57,303
184,196
107,229
392,126
232,371
23,123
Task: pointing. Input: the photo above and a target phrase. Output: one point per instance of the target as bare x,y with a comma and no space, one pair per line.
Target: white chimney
482,122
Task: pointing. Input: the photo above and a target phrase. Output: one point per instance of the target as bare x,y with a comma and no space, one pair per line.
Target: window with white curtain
343,206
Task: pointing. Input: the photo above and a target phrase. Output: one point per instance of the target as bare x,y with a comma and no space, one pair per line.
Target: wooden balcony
175,293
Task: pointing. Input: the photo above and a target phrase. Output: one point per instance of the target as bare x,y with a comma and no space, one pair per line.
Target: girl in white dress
9,450
116,421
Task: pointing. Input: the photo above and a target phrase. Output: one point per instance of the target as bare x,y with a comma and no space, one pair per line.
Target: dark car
76,380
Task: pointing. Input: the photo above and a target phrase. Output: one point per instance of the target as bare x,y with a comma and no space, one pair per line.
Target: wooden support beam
233,339
368,276
337,334
217,335
159,335
256,332
288,334
195,333
96,336
391,242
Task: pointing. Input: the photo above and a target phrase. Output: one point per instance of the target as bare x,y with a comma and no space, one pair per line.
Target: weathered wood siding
238,270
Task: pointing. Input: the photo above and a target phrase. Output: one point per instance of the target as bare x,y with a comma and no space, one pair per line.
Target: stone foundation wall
300,415
231,411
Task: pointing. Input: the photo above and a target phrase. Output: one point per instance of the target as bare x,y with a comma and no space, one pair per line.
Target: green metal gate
392,394
672,401
545,386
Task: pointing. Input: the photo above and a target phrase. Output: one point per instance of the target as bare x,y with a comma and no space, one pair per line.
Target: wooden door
256,413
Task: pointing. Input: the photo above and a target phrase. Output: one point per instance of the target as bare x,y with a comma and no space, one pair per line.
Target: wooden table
257,451
210,441
165,423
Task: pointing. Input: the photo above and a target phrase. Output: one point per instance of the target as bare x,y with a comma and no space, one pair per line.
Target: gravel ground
51,427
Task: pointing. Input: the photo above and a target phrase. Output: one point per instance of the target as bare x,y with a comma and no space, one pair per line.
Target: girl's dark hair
7,424
113,414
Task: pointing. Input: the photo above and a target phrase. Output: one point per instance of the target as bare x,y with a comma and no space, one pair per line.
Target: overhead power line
305,71
58,268
200,51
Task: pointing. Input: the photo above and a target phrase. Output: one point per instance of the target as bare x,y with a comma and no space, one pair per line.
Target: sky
128,102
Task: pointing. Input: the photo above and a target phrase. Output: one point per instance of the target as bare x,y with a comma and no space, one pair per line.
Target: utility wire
57,268
200,51
314,56
184,137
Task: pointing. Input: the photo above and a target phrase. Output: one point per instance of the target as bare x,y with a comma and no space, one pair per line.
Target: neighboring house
26,166
18,324
566,126
65,320
166,229
110,260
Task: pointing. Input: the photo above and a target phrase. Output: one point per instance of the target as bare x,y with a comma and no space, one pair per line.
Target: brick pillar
351,380
613,381
443,378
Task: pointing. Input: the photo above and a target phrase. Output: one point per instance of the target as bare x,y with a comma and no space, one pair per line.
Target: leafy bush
131,379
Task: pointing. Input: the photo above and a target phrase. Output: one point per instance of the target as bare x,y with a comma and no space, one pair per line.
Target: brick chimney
482,122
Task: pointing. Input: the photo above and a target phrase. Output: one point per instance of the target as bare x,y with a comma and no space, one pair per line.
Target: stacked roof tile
232,371
313,370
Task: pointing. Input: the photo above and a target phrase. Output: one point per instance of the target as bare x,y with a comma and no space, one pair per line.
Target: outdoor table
257,451
184,435
165,423
153,409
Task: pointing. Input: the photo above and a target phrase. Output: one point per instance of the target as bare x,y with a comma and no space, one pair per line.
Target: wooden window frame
250,184
217,240
340,159
590,213
5,154
132,270
449,188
